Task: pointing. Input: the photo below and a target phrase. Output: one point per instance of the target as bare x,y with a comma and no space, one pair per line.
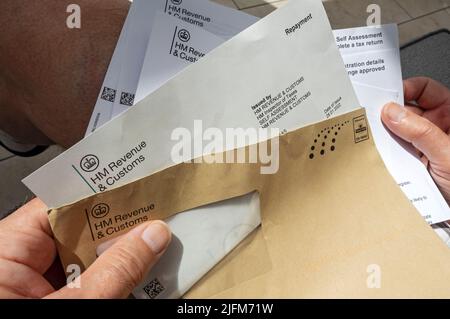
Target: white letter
213,150
274,158
238,138
181,151
74,20
375,18
74,279
198,141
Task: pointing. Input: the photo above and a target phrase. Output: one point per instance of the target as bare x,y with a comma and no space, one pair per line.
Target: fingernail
395,112
156,236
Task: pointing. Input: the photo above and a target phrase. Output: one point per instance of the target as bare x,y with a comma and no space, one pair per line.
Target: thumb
419,131
122,266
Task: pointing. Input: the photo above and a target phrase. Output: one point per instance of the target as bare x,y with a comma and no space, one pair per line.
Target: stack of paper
157,51
151,33
276,68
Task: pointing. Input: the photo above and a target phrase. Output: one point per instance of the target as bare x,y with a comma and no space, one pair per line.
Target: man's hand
27,250
425,123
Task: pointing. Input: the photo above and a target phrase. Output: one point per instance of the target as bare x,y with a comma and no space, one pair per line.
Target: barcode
127,99
154,288
108,94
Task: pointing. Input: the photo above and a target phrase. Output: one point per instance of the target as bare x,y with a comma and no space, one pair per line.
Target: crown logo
100,210
89,163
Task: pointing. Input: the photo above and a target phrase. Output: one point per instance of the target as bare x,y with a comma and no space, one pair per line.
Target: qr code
154,288
127,99
109,94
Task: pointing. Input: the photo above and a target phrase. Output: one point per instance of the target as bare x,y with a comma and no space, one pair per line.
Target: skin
50,75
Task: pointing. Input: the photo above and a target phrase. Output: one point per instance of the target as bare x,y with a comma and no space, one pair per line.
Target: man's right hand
425,123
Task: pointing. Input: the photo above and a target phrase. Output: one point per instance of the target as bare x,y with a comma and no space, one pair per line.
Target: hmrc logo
100,210
89,163
184,35
177,2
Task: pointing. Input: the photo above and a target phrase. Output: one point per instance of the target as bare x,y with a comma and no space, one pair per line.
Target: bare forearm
50,75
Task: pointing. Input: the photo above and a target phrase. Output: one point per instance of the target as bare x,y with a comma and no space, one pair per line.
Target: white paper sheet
381,69
366,39
222,21
173,46
108,92
372,56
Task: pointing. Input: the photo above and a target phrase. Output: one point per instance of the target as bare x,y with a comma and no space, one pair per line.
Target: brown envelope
332,219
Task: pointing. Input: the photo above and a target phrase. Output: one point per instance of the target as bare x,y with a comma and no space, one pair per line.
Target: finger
31,215
106,245
8,293
414,109
440,116
419,131
123,266
23,280
428,93
32,248
28,228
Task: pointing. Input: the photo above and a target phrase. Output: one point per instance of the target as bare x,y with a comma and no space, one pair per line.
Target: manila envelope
334,222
